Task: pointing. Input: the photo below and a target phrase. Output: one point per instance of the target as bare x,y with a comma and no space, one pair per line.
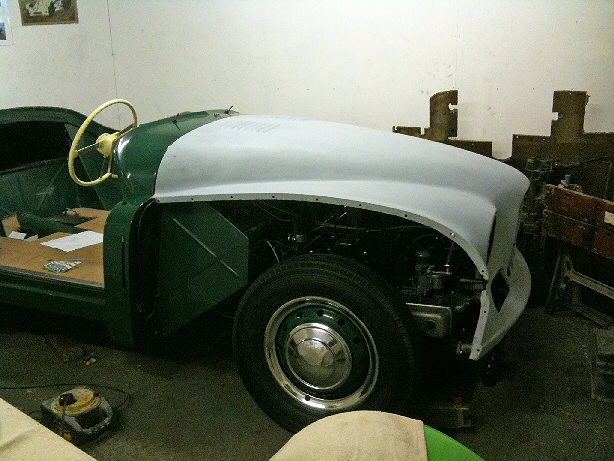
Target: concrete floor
187,402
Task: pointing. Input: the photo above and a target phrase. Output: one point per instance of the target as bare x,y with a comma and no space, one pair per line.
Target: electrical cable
65,400
34,412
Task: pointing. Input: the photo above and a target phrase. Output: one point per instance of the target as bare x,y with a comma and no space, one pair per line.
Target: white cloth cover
357,436
22,438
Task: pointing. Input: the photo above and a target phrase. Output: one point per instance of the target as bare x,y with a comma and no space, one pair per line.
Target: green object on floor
441,447
45,226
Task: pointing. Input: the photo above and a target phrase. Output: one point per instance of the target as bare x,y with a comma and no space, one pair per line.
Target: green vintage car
353,254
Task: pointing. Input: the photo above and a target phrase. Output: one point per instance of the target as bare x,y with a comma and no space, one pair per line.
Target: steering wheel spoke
104,144
86,149
126,129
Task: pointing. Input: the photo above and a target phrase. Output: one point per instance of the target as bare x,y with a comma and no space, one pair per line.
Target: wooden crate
580,220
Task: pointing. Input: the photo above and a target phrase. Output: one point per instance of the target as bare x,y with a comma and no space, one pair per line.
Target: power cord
65,399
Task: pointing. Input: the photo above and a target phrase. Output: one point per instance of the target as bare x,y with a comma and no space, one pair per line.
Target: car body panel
37,181
121,269
139,152
45,146
48,114
493,324
288,158
203,257
52,294
253,156
167,169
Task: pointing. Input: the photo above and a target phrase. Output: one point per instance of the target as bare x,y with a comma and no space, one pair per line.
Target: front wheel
320,334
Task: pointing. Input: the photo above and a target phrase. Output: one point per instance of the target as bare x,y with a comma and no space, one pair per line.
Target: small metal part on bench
61,266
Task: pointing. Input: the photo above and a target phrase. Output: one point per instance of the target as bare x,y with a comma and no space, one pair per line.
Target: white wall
66,65
372,63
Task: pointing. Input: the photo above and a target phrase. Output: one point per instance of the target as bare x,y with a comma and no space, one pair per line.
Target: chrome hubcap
318,356
321,354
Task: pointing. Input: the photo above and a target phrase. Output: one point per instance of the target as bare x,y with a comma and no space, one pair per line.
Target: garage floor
187,402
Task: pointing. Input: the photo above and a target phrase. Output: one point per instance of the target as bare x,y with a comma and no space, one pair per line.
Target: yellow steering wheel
104,144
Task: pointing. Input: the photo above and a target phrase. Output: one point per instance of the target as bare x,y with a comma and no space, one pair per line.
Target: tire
320,334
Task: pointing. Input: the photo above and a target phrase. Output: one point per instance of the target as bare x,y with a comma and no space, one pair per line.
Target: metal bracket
444,125
564,274
571,107
445,415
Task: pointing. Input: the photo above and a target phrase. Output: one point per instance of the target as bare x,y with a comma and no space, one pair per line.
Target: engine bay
435,278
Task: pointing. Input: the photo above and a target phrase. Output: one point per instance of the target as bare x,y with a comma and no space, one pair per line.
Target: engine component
434,321
428,278
423,267
463,348
435,278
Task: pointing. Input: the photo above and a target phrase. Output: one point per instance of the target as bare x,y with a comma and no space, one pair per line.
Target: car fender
473,200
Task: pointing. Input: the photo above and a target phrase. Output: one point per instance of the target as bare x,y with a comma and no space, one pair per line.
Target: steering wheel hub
105,143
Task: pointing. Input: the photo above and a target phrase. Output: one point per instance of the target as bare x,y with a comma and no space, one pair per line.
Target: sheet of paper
75,241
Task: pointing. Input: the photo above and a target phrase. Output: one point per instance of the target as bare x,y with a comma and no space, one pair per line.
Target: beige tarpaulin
357,436
22,438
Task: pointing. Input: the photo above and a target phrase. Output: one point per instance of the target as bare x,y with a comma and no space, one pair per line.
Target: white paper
17,235
75,241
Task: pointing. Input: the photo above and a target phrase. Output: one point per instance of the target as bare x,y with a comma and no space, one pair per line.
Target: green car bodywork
360,266
141,240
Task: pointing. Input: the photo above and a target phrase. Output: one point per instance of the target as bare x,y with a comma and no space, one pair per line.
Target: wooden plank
579,206
576,205
33,256
580,219
569,230
595,239
604,243
23,438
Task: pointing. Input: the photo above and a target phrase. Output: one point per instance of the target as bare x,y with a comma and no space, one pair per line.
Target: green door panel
121,268
203,260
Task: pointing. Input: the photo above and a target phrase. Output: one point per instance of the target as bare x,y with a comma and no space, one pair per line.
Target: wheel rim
321,354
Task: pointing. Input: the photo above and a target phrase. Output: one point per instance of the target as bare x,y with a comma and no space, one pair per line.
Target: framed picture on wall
44,12
5,26
6,37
